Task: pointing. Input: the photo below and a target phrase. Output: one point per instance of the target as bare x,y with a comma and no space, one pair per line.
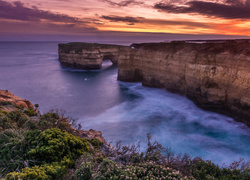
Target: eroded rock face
5,95
87,55
216,76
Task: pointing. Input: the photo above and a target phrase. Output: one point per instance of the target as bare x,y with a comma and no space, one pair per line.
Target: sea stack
87,55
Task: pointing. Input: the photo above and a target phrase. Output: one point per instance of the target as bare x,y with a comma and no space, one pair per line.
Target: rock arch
112,57
87,55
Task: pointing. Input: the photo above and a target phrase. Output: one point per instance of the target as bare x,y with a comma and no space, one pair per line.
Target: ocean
122,111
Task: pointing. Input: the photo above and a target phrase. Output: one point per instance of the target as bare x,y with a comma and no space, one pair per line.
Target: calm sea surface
122,111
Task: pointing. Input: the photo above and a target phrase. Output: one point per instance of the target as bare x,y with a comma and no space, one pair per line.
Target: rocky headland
6,96
215,75
9,102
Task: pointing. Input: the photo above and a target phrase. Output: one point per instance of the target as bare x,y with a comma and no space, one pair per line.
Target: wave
175,122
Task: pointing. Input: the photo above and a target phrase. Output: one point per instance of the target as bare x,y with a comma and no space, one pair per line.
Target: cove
122,111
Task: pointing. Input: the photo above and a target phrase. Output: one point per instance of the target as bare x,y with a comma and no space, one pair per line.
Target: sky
123,19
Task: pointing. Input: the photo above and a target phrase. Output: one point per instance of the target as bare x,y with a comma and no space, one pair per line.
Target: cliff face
8,96
87,55
216,76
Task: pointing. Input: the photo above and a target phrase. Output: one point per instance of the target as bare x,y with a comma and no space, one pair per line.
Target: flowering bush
111,170
85,171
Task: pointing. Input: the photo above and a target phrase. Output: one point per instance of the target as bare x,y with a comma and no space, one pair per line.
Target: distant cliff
87,55
216,76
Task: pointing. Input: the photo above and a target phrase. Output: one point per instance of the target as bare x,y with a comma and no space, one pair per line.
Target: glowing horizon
72,17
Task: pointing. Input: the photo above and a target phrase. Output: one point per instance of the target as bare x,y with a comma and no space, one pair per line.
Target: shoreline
214,75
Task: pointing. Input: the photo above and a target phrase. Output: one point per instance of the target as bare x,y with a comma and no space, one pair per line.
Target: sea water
122,111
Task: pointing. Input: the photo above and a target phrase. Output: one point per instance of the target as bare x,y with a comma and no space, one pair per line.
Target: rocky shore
6,96
10,102
215,75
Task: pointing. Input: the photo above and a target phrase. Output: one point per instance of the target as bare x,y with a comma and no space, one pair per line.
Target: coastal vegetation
51,146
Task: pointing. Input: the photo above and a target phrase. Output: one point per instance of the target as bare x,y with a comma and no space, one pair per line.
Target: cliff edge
215,75
6,96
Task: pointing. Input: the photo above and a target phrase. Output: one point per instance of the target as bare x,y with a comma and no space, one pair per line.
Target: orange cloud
230,17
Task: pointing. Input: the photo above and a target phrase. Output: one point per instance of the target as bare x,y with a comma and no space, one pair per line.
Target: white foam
174,121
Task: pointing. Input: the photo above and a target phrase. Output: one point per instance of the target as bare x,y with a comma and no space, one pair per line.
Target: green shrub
12,150
5,122
13,119
45,125
36,106
54,145
85,157
5,103
44,172
96,143
19,149
63,125
99,159
14,147
19,107
34,173
201,169
48,120
3,112
51,117
85,171
207,170
54,170
31,125
18,117
32,137
30,112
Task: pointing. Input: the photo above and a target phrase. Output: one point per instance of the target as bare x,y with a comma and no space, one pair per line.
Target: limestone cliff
87,55
216,76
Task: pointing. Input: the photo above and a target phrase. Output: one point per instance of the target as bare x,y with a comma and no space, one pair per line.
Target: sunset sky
73,19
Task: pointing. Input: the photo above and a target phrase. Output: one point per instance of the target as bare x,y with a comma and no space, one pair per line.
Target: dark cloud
127,19
18,11
33,27
123,3
230,9
132,20
190,24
